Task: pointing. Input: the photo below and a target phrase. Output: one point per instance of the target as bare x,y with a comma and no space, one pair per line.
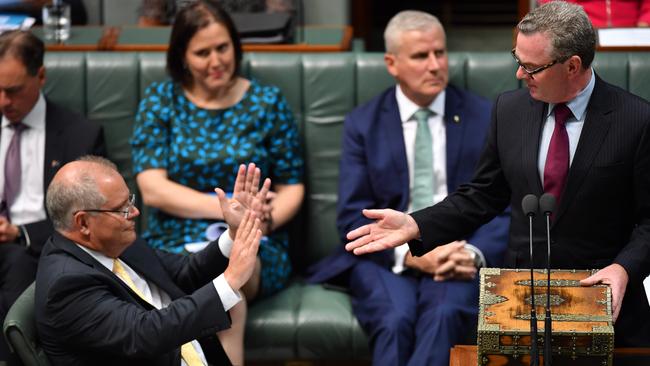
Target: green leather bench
303,322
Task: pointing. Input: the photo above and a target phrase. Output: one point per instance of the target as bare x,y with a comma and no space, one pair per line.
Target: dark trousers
409,320
17,272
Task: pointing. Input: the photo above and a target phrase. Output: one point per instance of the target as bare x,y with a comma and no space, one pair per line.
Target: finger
245,226
463,258
358,232
264,192
374,246
240,180
374,214
445,251
255,185
250,173
467,272
445,268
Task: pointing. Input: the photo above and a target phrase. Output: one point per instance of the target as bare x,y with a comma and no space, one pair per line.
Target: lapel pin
55,163
456,119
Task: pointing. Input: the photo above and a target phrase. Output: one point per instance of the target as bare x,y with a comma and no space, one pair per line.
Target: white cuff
225,243
400,255
229,298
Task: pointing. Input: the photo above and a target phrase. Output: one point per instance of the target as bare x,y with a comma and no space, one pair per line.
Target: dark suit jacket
374,171
604,216
67,136
85,315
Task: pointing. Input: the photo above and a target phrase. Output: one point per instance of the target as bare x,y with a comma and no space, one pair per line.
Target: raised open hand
244,251
246,196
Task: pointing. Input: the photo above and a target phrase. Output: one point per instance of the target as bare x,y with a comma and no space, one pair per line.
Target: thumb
591,280
223,200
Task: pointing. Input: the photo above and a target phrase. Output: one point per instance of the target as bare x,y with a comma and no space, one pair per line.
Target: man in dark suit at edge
602,219
405,149
104,297
36,138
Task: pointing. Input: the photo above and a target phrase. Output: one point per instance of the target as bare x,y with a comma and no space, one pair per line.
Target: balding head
76,186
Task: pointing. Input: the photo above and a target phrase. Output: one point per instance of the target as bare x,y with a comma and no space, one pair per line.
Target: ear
80,223
574,65
390,60
41,76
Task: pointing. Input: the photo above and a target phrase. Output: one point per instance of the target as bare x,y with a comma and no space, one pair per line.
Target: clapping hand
246,196
244,251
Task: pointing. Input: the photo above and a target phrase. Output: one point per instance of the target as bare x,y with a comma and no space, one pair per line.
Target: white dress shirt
160,299
29,206
436,121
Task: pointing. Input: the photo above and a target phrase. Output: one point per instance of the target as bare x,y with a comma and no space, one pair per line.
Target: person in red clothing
614,13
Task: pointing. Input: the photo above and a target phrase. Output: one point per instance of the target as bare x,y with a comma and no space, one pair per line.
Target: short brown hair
25,47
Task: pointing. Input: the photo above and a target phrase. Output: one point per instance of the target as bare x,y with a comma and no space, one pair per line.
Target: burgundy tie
12,169
557,159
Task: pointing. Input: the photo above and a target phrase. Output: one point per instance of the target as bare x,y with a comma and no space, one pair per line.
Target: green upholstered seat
20,330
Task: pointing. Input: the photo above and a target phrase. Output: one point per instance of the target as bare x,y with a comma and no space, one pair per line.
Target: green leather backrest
321,88
20,330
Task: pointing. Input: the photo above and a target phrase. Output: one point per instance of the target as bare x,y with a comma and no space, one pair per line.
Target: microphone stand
530,206
547,203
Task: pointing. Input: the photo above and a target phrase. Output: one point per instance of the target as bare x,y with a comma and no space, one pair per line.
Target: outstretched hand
390,229
246,196
616,277
244,251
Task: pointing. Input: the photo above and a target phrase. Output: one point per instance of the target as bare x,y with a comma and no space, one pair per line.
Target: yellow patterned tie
188,352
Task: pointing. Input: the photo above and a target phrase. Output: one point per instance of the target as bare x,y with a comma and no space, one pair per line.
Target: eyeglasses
536,70
125,211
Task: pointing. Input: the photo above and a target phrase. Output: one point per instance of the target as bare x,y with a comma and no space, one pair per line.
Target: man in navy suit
413,309
569,134
52,136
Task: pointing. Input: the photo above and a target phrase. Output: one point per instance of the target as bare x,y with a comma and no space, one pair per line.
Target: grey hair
568,27
65,197
408,20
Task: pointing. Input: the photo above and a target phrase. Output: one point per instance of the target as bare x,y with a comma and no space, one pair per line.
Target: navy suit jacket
86,315
374,172
604,215
68,136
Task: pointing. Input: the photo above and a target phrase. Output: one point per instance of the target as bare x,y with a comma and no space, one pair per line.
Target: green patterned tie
422,195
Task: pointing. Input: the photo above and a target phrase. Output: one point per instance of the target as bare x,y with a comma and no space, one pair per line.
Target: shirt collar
99,257
35,119
578,105
407,108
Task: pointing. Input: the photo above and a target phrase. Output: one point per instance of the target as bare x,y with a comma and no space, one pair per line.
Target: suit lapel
533,118
597,123
54,148
390,125
143,260
454,130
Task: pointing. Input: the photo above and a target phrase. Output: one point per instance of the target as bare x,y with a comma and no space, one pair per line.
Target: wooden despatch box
582,330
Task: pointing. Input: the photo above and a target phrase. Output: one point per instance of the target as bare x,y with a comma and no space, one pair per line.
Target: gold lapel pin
55,163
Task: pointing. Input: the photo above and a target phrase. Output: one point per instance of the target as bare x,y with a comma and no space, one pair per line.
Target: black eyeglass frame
537,69
130,204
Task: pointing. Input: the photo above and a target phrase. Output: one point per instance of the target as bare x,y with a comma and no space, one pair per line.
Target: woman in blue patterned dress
192,132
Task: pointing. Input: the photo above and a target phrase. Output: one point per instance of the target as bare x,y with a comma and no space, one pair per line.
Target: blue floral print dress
203,148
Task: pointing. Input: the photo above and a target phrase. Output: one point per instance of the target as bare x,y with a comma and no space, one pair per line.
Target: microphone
530,205
547,206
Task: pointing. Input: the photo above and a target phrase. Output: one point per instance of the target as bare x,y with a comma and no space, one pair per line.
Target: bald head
76,186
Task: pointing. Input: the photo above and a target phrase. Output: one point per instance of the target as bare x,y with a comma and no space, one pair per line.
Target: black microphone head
547,203
530,204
